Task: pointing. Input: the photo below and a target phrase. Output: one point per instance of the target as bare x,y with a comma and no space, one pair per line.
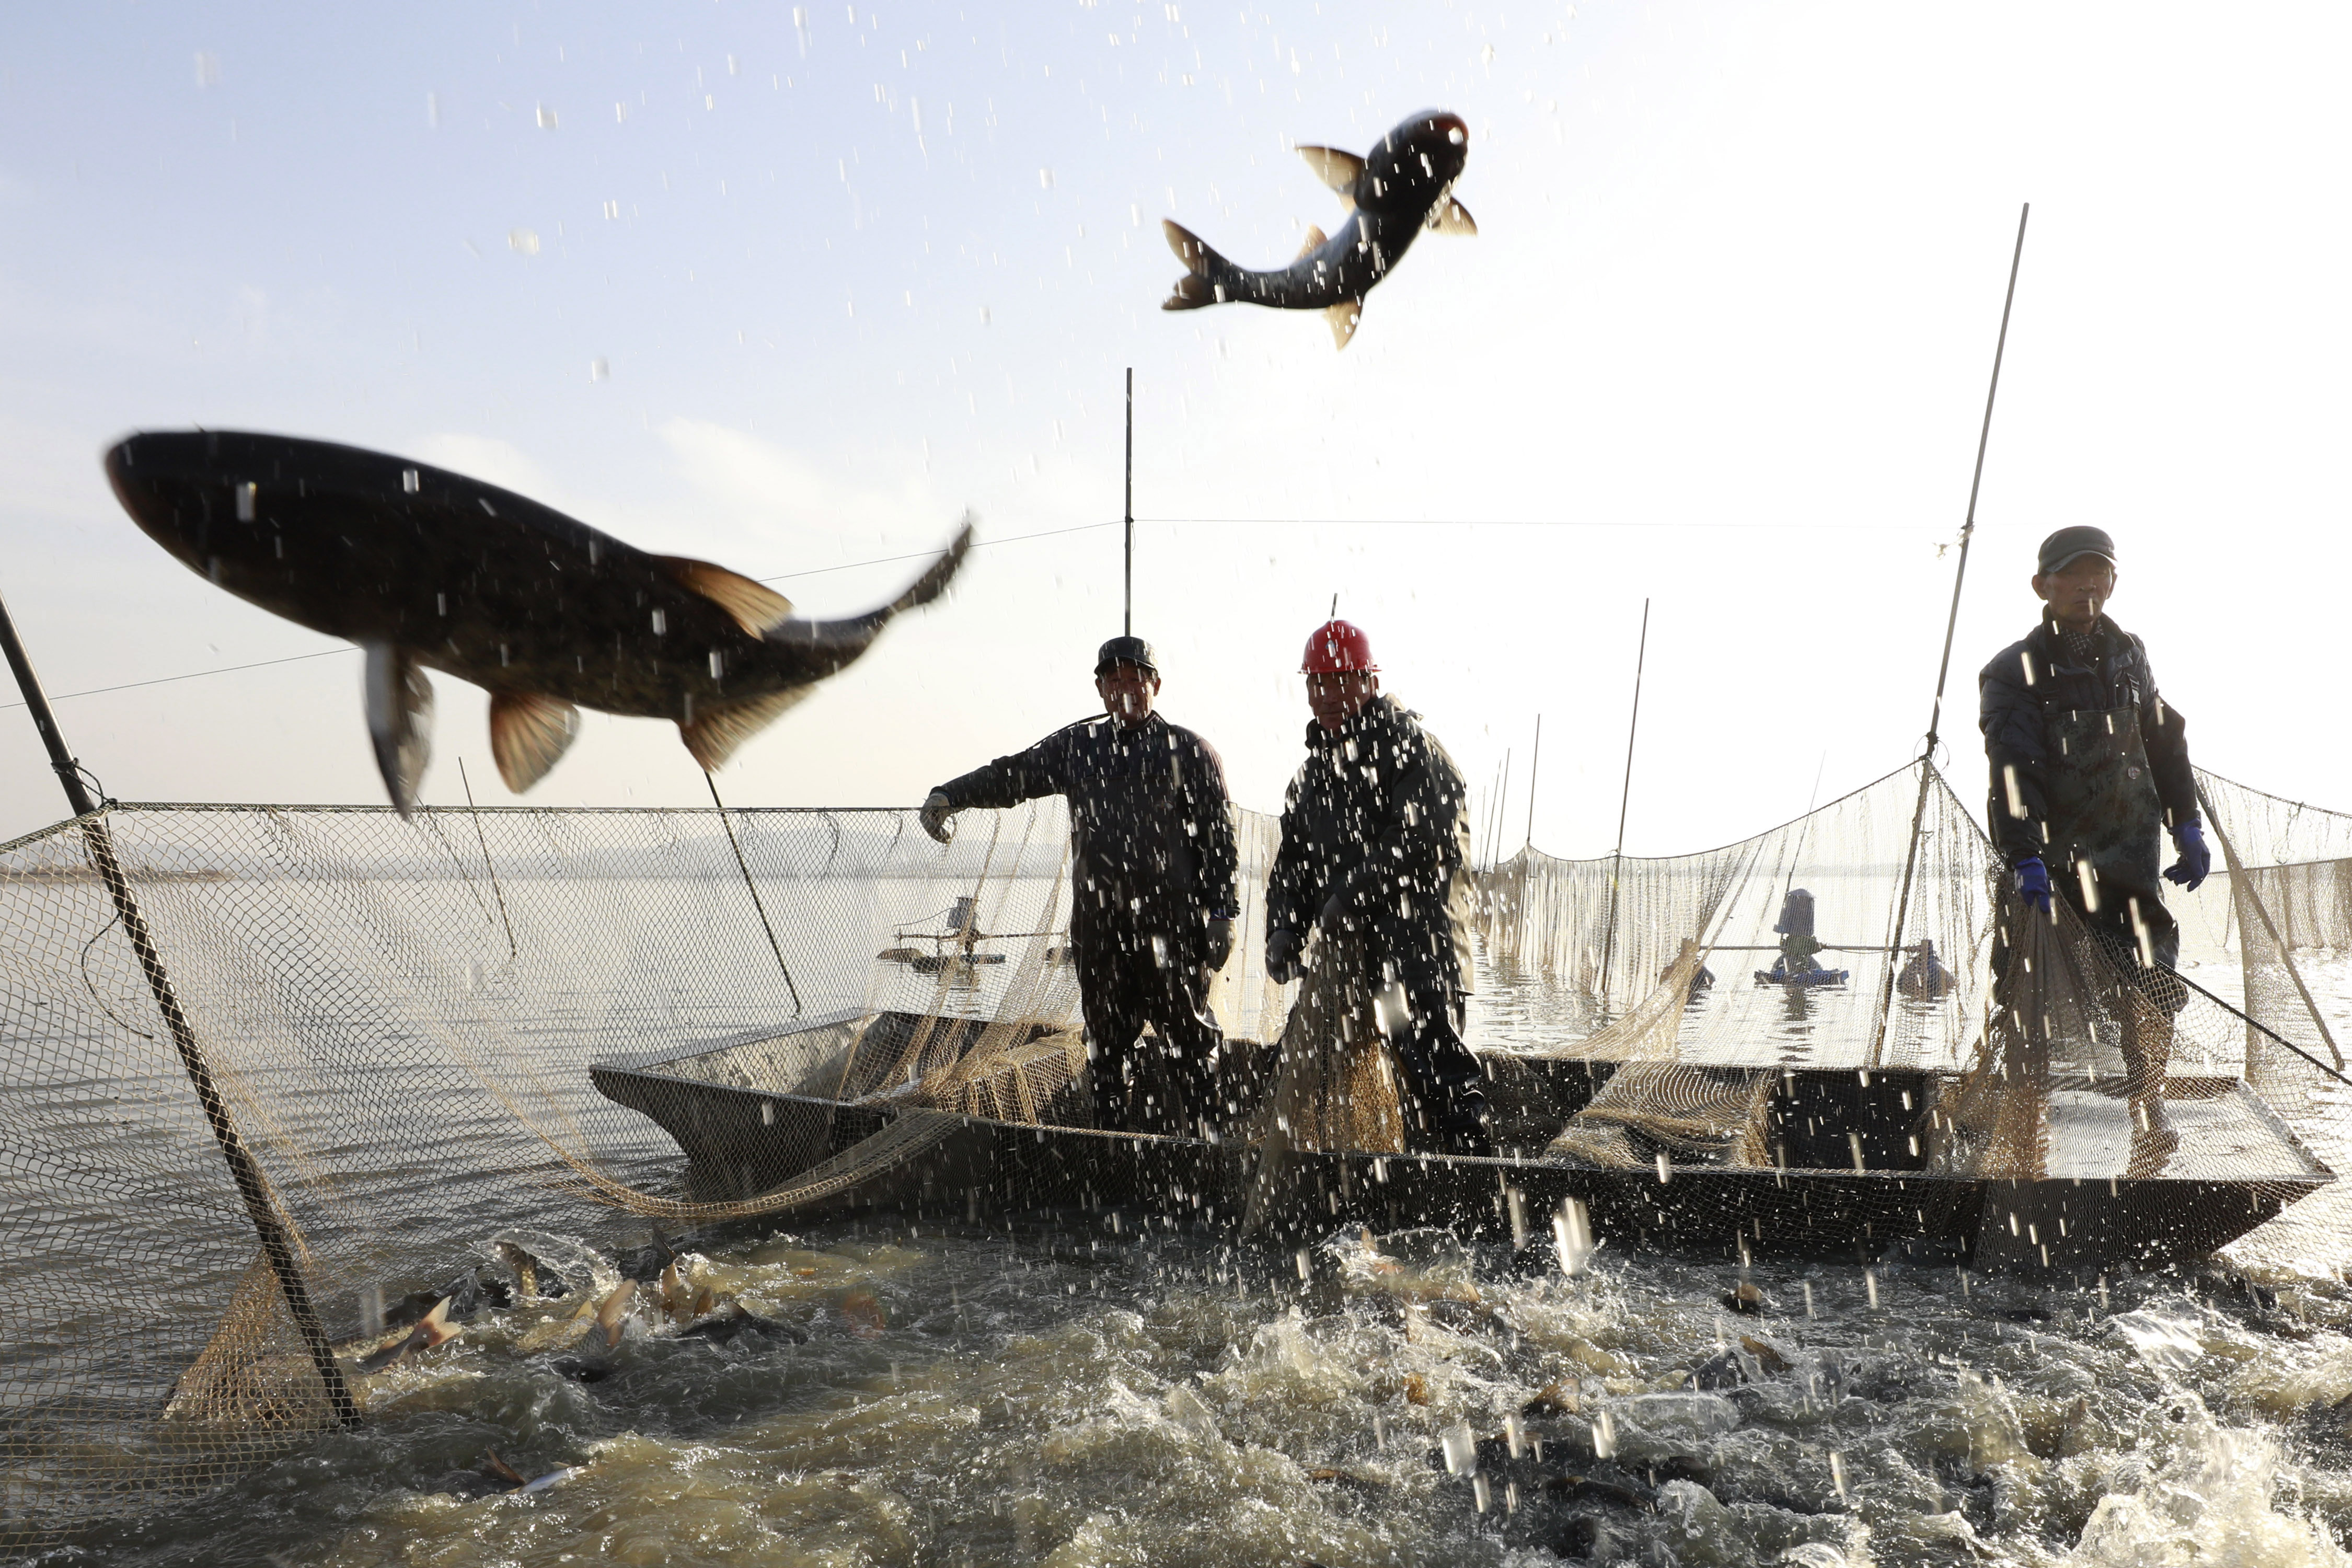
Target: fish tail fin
804,652
934,581
1203,267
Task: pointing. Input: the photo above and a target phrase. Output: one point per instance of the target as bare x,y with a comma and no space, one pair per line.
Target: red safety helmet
1339,648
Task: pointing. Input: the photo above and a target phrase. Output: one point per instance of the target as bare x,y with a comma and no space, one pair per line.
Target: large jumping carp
425,569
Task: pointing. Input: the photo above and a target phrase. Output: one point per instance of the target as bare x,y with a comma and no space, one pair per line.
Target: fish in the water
612,1313
432,1329
427,569
1403,185
738,1320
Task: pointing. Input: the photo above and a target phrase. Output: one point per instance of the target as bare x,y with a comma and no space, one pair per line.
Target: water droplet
523,242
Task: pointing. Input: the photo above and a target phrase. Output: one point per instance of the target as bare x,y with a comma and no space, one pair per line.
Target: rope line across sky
1085,528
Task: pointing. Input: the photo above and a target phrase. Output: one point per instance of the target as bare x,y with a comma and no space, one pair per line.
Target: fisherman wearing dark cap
1376,843
2089,766
1153,868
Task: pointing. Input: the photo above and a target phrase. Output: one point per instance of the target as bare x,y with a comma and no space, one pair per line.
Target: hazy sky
792,287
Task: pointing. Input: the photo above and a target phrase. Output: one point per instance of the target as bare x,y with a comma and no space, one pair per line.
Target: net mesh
400,1017
2019,1050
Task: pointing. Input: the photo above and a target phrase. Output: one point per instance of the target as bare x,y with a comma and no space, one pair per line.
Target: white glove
936,813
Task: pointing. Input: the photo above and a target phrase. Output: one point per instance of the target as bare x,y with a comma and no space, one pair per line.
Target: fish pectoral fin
1343,317
1450,217
528,734
714,731
399,702
1336,169
756,607
1315,240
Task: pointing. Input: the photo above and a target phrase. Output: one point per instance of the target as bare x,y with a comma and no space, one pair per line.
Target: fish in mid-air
427,569
1403,185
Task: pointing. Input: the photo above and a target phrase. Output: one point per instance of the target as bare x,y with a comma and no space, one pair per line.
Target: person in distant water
1153,870
2090,766
1375,841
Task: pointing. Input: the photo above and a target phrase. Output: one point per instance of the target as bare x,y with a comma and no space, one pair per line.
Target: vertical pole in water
744,865
1535,760
1624,799
1128,626
1951,622
1503,805
277,1245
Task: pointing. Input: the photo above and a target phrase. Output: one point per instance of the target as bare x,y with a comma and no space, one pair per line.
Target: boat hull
743,1142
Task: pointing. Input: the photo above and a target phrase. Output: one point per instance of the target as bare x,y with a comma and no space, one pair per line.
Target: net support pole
758,904
1535,761
1127,626
1624,799
1944,670
252,1186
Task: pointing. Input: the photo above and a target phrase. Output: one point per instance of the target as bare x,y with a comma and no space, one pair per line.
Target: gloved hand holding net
937,815
2034,883
2195,862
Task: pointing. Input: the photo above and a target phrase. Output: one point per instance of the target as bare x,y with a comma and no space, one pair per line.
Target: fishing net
432,1030
1727,995
400,1018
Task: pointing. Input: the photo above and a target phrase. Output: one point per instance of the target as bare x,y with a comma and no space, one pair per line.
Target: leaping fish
427,569
1404,186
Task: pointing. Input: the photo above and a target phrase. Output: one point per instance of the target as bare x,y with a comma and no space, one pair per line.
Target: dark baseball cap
2073,543
1125,650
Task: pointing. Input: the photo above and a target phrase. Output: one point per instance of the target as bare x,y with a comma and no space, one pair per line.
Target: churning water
1111,1391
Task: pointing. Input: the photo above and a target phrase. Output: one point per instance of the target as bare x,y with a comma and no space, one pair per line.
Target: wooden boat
1852,1173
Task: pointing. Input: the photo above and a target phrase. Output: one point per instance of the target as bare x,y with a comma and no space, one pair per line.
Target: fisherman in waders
1375,843
1152,850
2089,767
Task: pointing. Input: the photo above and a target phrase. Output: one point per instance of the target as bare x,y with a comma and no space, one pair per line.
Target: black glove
1219,945
1282,956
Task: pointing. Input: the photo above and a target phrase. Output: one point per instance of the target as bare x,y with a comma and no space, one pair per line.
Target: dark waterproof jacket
1148,822
2033,697
1377,816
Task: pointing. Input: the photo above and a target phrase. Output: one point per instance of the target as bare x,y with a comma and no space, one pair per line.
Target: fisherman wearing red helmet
1152,871
1376,842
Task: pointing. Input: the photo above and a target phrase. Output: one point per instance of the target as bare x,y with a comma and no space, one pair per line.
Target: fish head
253,514
182,488
1409,169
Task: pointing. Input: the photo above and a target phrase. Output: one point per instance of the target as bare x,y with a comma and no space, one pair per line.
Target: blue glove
2195,862
2034,882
